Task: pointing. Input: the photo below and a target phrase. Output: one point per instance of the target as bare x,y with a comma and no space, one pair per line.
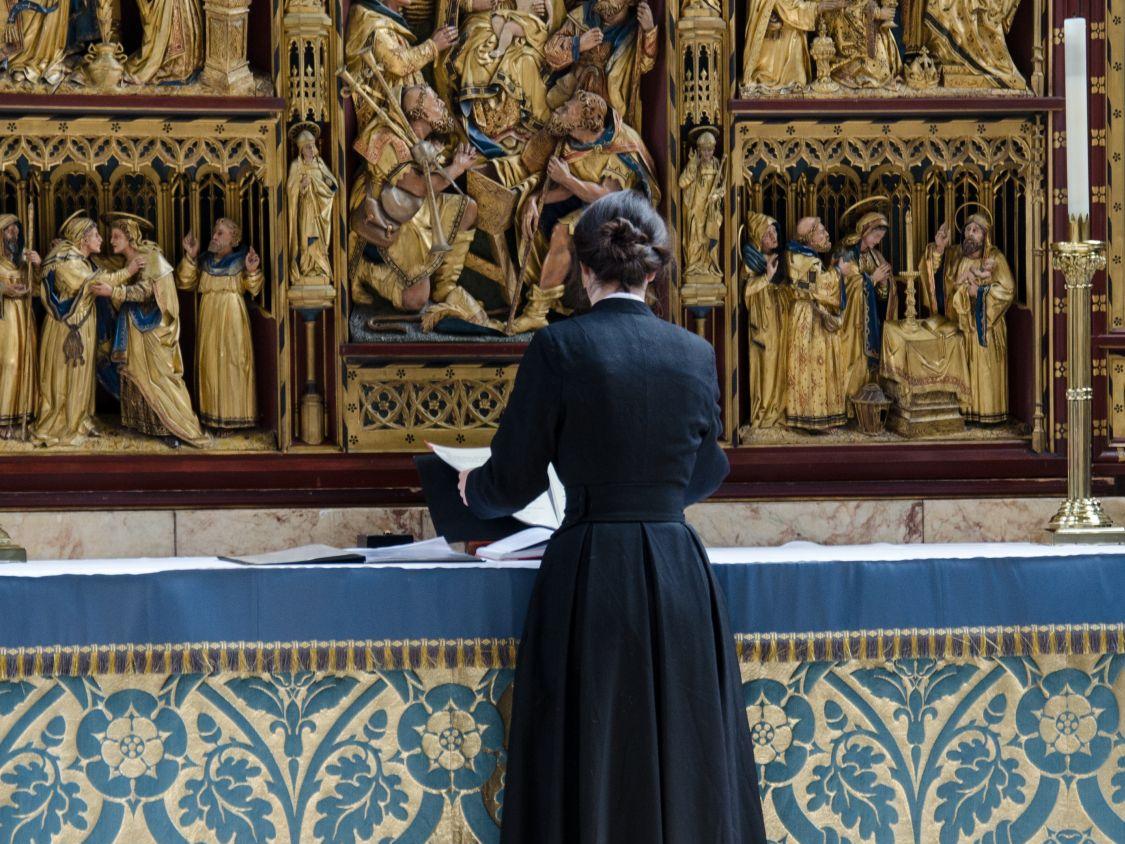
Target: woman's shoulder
579,337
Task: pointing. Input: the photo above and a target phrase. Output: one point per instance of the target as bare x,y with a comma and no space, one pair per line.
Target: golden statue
172,45
769,299
871,298
146,340
67,352
224,353
382,29
35,42
814,377
968,40
776,39
868,55
701,204
598,153
972,284
397,248
311,192
17,329
497,68
604,46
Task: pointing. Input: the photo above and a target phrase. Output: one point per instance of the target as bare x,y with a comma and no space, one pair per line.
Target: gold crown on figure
923,71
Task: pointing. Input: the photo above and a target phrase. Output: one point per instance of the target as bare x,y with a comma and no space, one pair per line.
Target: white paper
1077,126
511,546
435,550
545,511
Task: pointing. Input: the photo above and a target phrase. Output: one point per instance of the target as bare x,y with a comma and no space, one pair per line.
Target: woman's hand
462,480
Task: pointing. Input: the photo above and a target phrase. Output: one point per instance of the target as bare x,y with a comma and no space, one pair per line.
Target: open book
435,550
546,511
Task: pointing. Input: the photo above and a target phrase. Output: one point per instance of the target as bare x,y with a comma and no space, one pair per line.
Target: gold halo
81,212
297,128
125,215
694,134
986,213
863,203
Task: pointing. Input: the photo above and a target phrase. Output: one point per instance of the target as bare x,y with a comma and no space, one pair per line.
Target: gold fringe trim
945,643
420,654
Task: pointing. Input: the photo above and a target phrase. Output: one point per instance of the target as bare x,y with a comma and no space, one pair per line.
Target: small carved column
311,418
226,68
305,81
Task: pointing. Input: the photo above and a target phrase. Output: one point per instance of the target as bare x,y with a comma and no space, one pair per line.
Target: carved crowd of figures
865,44
44,45
535,103
114,319
826,321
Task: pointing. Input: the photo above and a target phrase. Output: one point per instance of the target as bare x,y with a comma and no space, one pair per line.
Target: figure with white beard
971,284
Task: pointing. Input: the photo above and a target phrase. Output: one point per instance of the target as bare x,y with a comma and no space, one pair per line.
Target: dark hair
622,239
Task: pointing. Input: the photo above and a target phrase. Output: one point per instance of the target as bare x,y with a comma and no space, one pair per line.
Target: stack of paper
526,545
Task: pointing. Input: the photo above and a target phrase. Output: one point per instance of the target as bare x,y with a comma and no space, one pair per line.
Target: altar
895,693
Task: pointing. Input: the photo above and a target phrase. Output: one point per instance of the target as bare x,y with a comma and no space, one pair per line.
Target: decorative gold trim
933,643
353,656
1115,167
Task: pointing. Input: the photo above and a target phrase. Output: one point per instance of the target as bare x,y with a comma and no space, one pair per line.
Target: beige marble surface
91,534
156,533
988,519
225,532
827,522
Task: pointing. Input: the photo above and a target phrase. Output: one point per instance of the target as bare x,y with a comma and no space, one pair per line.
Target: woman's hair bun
622,239
621,233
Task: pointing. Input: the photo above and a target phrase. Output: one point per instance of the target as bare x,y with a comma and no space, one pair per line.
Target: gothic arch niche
73,188
834,191
137,193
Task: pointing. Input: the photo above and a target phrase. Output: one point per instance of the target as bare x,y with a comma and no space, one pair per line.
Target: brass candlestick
9,551
1081,517
911,319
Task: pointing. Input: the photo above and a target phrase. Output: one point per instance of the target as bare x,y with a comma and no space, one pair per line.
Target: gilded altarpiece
261,112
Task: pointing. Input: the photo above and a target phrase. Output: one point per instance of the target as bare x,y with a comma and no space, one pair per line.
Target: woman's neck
603,290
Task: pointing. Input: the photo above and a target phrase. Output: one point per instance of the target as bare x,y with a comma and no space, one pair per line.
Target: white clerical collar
623,295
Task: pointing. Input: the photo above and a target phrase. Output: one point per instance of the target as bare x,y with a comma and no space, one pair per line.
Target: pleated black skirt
627,719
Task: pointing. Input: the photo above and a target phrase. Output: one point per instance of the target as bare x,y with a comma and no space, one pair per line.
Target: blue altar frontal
895,694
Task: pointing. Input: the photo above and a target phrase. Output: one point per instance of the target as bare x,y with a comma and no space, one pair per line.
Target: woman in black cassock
627,722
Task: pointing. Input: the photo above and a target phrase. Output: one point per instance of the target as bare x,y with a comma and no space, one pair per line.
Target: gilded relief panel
879,266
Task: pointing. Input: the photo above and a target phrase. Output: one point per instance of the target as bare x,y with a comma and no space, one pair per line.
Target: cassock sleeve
711,464
525,443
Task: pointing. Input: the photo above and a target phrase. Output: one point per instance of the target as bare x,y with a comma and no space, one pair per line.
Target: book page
545,511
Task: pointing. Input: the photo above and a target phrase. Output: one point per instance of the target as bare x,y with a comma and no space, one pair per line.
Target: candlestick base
1078,228
9,551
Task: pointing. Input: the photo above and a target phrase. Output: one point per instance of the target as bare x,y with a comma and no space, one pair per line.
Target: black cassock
628,725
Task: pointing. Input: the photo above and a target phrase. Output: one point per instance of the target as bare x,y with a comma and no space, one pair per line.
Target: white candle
909,226
1077,129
